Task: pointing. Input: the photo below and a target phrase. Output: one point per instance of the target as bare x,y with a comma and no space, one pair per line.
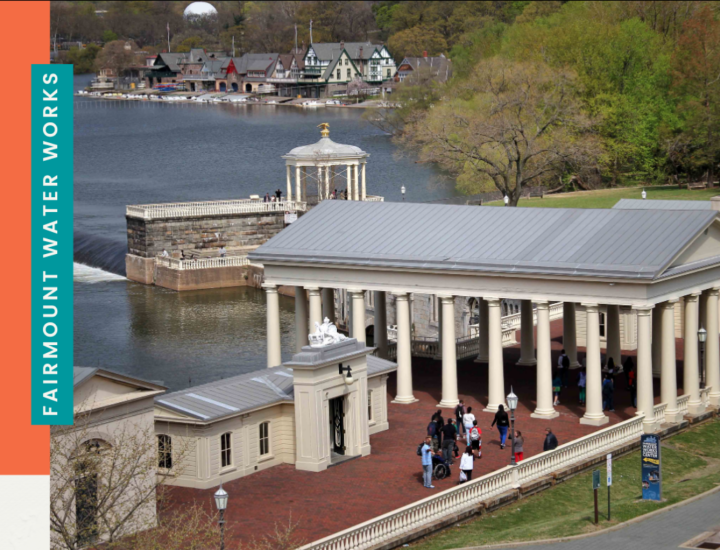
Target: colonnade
655,347
325,177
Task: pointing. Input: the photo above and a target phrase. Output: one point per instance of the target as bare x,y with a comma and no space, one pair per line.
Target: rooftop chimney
425,53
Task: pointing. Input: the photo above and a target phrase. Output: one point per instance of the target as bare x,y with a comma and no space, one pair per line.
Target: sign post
609,480
596,486
651,467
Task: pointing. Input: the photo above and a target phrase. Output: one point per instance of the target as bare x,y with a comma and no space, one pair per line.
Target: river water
135,153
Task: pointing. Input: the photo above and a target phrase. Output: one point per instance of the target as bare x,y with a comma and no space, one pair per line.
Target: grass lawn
690,466
606,198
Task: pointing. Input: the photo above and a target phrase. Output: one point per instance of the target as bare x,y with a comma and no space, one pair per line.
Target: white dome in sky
199,9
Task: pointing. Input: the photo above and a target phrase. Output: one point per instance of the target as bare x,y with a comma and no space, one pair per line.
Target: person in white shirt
466,462
468,421
165,253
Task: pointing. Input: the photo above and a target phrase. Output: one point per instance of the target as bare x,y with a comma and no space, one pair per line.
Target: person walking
557,386
439,425
468,420
449,432
608,392
459,412
518,446
476,438
582,383
551,441
427,463
564,368
502,421
267,197
432,433
632,384
466,463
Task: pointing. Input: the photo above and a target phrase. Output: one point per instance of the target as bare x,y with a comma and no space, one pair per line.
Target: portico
601,261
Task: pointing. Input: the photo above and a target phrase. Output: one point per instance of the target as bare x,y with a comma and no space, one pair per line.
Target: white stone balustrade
682,403
467,496
659,411
374,198
705,395
202,263
210,208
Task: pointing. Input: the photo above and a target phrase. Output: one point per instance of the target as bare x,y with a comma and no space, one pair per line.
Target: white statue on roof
325,334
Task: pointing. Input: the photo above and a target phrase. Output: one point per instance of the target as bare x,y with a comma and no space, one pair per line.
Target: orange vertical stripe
25,31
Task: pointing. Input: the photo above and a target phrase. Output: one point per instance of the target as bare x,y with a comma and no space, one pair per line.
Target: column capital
670,304
312,288
591,307
492,301
542,304
268,287
694,297
713,291
644,310
354,291
400,295
446,298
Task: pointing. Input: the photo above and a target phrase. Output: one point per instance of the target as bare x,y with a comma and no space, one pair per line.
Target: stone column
304,182
449,361
440,324
356,184
569,334
527,339
404,358
289,183
544,407
657,340
298,186
381,335
691,370
301,319
274,356
668,380
483,331
363,195
594,415
321,196
357,310
712,350
327,182
612,325
315,306
644,380
349,182
496,376
328,304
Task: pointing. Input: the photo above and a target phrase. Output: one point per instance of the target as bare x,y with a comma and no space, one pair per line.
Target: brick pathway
391,477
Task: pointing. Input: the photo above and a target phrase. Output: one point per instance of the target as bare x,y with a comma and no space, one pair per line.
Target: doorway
337,425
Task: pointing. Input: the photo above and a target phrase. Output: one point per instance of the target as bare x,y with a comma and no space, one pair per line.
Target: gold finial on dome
324,129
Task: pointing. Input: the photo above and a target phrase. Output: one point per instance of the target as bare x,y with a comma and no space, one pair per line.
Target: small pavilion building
640,262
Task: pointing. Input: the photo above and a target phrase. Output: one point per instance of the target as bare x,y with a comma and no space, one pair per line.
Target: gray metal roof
640,204
331,50
635,244
246,392
326,149
80,374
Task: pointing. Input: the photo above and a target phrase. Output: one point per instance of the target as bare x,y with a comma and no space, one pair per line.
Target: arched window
164,451
264,438
226,450
86,490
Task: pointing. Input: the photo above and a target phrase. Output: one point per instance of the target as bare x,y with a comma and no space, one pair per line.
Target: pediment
704,246
162,412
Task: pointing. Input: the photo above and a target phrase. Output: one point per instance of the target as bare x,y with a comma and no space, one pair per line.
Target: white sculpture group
325,334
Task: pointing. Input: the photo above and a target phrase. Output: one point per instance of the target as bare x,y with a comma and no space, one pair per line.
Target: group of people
275,197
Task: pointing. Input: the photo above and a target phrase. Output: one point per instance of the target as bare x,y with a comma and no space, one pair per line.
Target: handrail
202,263
659,412
682,403
705,395
467,496
210,208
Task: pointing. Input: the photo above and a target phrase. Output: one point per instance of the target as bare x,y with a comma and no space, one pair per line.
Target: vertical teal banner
52,244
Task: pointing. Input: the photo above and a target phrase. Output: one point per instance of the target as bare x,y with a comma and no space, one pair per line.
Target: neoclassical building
600,261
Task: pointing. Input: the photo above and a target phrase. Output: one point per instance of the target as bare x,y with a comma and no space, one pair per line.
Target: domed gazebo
327,164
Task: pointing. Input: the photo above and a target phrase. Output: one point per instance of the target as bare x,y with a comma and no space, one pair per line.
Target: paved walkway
667,530
391,477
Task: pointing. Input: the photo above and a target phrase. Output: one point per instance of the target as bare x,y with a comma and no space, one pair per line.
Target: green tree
416,40
109,36
83,60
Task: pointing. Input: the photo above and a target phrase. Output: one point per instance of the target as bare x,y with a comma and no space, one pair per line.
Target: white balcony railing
659,411
705,395
682,402
210,208
202,263
374,198
463,498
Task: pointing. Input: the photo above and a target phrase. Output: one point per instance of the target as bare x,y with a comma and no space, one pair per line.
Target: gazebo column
272,303
544,407
612,324
404,358
356,183
657,341
363,195
668,380
449,361
357,310
712,358
328,304
496,377
315,306
527,339
594,415
691,371
288,197
645,398
381,334
327,182
301,319
321,194
569,334
298,185
482,331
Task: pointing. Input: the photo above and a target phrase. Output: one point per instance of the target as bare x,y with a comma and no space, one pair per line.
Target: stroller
441,467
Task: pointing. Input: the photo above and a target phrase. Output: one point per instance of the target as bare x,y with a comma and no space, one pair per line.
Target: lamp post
221,498
512,402
402,190
644,194
702,338
506,200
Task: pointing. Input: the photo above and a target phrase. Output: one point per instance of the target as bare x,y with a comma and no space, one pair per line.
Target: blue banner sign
650,457
51,90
